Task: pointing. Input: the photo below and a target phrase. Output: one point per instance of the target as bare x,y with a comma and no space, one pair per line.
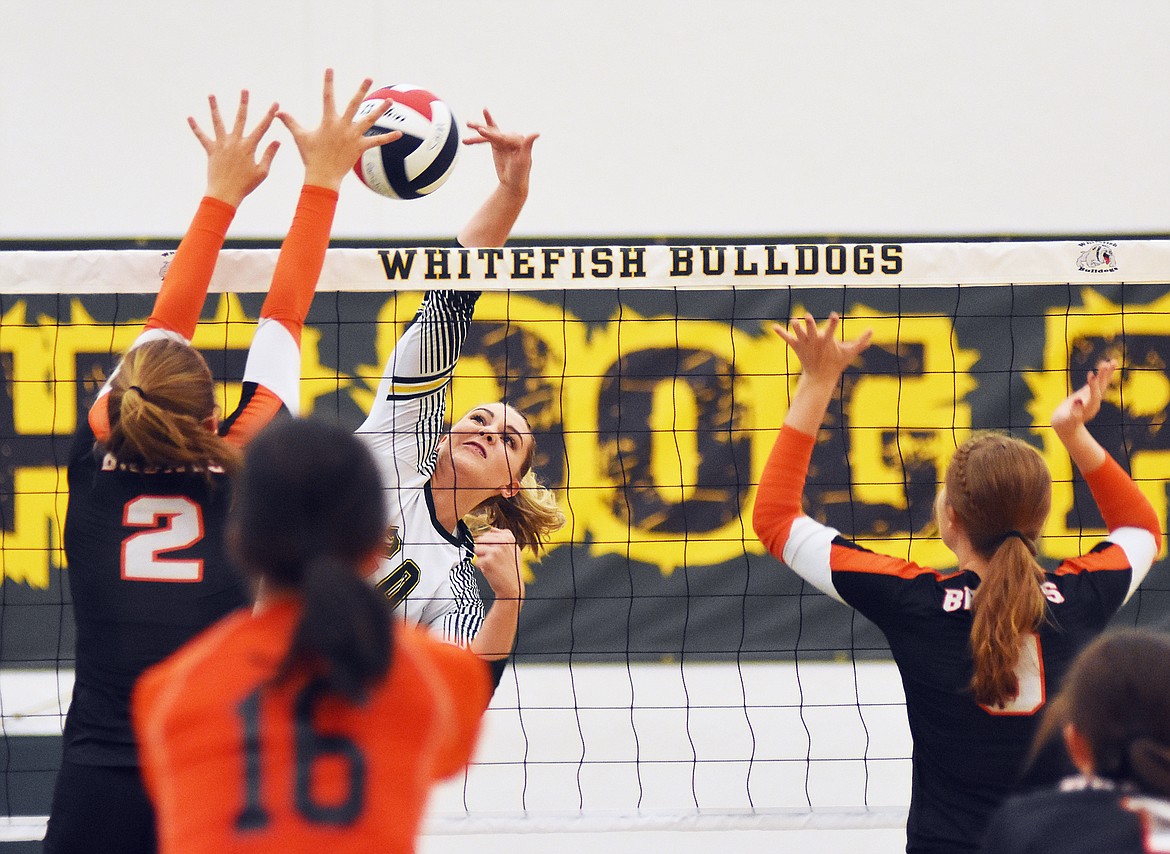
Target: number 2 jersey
147,566
427,572
967,758
234,762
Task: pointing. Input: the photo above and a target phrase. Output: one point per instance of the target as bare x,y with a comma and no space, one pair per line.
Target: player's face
489,446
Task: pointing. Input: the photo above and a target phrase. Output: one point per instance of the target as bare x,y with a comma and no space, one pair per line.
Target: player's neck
451,502
968,558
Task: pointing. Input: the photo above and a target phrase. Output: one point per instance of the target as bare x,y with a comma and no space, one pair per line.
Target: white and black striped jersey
428,571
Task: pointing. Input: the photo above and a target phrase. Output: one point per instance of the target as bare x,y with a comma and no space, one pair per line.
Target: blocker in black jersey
154,574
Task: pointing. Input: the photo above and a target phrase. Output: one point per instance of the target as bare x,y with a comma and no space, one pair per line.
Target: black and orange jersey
145,548
236,762
967,758
1081,816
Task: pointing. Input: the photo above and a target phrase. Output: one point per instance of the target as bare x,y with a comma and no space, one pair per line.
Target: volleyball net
668,671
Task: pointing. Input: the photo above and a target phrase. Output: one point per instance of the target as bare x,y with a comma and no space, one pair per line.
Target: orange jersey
233,763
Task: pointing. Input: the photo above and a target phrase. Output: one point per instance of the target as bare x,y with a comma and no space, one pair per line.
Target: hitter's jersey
1082,816
428,572
967,757
147,567
235,763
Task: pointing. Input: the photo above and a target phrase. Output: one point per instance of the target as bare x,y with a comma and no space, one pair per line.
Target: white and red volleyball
423,158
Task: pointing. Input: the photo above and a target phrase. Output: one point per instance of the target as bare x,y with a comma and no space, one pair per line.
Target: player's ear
510,490
1080,751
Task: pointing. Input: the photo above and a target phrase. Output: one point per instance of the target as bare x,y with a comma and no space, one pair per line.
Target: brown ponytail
160,400
1000,490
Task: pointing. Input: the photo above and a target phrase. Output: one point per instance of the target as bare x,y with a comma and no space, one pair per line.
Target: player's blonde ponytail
1000,490
532,515
160,401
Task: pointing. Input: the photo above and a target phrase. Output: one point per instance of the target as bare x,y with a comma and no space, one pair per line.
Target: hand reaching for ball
232,168
512,153
331,149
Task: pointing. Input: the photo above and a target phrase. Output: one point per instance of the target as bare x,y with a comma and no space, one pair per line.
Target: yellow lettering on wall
1138,337
674,451
655,430
914,417
656,389
39,520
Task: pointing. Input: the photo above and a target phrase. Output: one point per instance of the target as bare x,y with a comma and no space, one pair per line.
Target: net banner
655,400
656,266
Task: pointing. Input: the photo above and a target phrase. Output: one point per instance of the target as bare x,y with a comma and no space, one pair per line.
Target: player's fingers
784,334
241,114
263,125
292,124
216,121
473,140
327,94
356,101
859,346
203,138
371,118
266,159
369,142
529,140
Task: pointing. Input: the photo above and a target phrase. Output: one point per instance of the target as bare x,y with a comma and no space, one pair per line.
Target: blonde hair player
467,498
977,648
150,469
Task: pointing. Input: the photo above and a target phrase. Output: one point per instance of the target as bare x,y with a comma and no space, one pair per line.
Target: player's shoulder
195,664
854,558
432,655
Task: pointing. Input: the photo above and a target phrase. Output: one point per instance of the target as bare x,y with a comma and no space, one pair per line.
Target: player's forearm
497,635
1085,451
180,300
807,411
492,223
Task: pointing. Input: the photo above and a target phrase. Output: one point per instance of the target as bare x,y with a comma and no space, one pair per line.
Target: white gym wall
659,117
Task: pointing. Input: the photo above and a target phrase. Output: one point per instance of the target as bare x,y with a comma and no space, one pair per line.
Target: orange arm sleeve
1120,501
778,497
301,257
249,420
184,288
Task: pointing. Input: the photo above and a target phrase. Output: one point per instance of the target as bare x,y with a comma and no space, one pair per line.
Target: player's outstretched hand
498,557
232,168
331,149
512,152
1082,406
823,356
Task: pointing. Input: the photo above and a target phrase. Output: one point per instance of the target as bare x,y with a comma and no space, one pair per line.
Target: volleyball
423,158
